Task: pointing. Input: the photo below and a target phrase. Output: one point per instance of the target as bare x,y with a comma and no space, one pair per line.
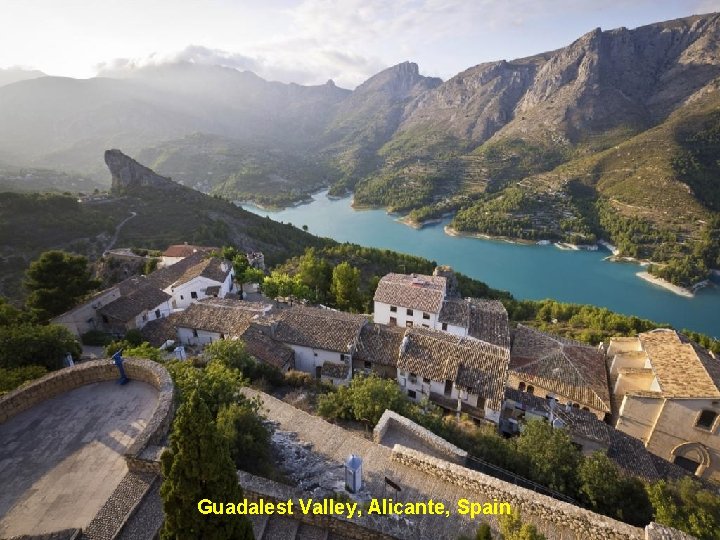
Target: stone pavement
63,458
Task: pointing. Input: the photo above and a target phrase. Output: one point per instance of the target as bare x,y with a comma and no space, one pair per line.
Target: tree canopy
56,281
196,466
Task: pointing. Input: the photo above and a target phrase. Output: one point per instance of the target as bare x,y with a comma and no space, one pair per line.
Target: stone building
461,374
668,393
570,372
324,340
378,349
213,319
413,300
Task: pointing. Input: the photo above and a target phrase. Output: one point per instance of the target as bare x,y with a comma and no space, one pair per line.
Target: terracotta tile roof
259,344
319,328
627,452
455,311
336,371
185,250
379,344
475,365
221,315
683,368
126,308
414,291
567,368
489,322
164,277
212,268
158,331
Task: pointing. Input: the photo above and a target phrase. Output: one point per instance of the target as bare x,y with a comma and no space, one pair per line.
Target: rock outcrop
128,174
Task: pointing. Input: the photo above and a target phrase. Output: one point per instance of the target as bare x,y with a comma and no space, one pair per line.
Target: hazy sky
307,41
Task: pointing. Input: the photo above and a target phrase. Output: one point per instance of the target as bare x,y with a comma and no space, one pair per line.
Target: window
408,324
412,394
448,387
706,419
426,316
426,380
193,294
413,378
144,317
409,312
195,334
182,297
444,326
344,357
393,309
521,386
222,336
368,364
531,389
426,326
393,321
157,313
314,354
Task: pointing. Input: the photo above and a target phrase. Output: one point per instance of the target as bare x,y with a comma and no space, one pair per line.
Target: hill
160,213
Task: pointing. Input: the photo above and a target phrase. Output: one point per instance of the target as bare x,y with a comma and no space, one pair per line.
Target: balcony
450,404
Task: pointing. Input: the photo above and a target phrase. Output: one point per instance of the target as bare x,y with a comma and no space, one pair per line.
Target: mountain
65,124
544,147
368,118
12,75
546,109
143,210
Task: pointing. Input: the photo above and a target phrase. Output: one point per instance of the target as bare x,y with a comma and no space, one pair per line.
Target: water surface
528,272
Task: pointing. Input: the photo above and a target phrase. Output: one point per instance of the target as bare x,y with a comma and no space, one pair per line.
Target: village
650,402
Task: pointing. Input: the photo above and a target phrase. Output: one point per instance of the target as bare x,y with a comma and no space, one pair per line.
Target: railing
512,478
451,404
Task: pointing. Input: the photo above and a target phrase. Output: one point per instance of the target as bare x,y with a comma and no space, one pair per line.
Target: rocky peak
399,81
128,174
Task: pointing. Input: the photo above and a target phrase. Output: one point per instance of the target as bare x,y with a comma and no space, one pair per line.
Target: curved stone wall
61,381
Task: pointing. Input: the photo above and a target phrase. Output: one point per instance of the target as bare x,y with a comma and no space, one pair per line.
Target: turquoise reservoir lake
528,272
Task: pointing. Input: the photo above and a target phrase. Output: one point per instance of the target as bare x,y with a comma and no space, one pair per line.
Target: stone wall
64,380
357,528
391,420
534,507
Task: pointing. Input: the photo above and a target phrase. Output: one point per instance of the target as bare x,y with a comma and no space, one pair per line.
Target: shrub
296,379
10,379
95,338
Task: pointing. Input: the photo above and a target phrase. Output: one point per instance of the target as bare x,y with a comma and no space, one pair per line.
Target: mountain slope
166,213
546,109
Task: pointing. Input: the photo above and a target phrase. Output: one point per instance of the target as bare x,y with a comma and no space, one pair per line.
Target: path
117,230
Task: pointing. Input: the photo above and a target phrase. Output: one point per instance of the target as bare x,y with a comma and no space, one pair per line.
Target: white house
134,310
213,319
210,278
413,300
176,253
324,340
83,318
461,374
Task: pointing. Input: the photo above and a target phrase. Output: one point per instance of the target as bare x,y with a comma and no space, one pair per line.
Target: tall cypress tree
198,466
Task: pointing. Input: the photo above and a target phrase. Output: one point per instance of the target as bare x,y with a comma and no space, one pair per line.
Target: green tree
552,458
27,344
56,281
512,528
280,284
345,287
247,436
217,384
687,506
232,353
364,399
316,273
606,491
196,466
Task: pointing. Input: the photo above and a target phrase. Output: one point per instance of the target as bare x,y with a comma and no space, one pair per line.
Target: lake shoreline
660,282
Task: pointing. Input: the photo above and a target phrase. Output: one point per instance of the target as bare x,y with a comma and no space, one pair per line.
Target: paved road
117,231
60,460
